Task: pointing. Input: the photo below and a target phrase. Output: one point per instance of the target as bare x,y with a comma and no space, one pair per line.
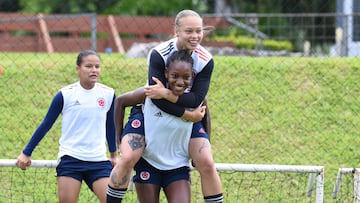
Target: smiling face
89,71
179,75
189,30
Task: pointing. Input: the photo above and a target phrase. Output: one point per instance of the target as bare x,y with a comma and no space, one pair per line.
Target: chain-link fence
299,108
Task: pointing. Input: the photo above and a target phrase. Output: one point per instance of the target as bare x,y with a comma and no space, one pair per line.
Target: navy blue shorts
199,131
146,173
135,125
83,170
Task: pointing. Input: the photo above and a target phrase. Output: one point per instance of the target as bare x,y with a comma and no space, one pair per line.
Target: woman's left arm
199,88
110,128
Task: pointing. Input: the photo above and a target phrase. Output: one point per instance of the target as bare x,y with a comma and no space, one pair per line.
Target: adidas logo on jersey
158,114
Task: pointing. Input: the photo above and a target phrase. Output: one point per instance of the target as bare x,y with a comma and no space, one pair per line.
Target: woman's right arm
54,111
50,118
127,99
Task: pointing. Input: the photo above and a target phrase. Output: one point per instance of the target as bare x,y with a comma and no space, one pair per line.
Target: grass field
296,111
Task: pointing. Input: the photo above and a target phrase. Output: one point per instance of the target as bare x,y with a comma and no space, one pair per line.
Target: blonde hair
185,13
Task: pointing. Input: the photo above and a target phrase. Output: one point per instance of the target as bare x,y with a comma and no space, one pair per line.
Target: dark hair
182,55
83,54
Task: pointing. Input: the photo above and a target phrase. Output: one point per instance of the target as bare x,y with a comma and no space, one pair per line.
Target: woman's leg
68,189
131,149
99,188
200,152
178,192
147,193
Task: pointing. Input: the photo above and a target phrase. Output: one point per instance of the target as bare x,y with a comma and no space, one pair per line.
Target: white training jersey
84,114
167,138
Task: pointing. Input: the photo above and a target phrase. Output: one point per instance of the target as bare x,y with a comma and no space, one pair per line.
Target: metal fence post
93,31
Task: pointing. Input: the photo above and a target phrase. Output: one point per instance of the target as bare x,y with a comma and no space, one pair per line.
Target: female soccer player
87,109
165,161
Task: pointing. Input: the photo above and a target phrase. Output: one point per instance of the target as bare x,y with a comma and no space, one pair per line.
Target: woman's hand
195,115
23,161
157,91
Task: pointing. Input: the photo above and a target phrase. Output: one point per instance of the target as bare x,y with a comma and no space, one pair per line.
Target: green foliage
243,42
9,5
165,8
277,45
151,7
113,7
65,6
285,6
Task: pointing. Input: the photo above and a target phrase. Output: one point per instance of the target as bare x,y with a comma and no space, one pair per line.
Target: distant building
347,28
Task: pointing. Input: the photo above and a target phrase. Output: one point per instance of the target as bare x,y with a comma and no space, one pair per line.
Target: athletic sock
214,198
115,195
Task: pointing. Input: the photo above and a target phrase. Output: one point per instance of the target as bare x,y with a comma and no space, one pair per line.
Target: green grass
298,111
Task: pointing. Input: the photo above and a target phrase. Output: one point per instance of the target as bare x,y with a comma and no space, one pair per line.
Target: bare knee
131,148
128,160
205,165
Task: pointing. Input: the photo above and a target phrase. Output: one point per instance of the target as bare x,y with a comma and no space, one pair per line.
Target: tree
9,5
152,7
115,7
168,7
65,6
